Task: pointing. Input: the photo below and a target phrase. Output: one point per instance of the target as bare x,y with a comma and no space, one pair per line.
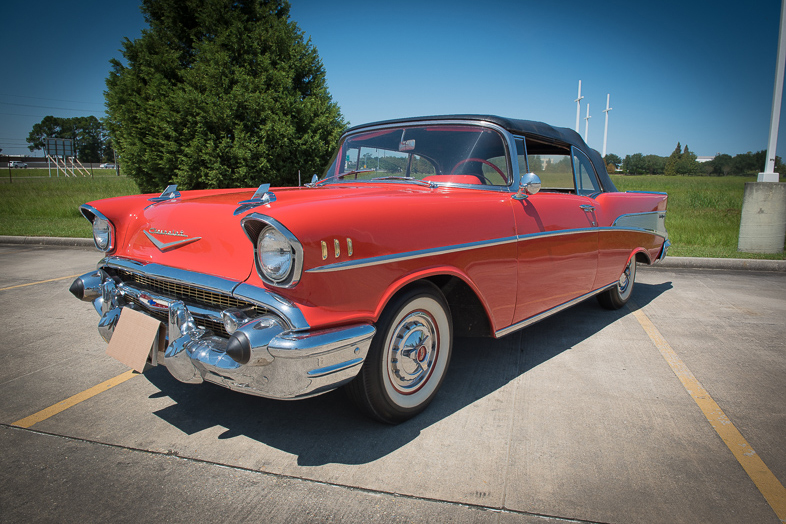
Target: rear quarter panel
628,225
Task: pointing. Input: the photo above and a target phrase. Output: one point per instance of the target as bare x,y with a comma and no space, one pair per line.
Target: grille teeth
189,294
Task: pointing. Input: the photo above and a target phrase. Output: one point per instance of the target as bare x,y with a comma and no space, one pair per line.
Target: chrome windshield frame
508,141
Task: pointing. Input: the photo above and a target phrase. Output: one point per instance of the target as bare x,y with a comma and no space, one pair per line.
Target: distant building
702,159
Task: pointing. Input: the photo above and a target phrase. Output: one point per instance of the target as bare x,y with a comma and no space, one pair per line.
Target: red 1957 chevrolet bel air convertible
421,230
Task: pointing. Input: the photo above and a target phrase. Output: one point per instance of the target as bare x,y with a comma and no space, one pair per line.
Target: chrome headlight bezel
270,237
275,254
103,228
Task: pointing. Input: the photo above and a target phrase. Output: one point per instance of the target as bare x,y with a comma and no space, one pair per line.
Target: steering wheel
480,160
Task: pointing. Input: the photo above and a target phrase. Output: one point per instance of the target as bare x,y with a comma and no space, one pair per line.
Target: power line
52,99
35,116
47,107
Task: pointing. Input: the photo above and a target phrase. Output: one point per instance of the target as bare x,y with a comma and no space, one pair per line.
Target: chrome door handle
590,210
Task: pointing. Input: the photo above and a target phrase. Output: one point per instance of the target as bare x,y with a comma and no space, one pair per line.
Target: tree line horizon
683,162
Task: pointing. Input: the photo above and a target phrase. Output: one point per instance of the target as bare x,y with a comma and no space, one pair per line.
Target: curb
728,264
48,241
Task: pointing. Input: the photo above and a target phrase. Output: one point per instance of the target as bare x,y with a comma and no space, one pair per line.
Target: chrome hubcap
625,278
414,349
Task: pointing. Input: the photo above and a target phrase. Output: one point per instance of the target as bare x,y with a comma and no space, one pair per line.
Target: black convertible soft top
529,128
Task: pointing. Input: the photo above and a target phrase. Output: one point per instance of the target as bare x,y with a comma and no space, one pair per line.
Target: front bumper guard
281,364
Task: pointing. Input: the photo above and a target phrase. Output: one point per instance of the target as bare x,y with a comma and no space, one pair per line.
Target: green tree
674,158
687,164
720,165
613,159
654,164
634,164
220,93
682,162
87,132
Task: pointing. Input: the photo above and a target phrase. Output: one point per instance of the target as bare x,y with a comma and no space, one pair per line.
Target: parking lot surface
588,416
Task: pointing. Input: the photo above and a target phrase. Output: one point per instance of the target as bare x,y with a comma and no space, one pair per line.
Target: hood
196,232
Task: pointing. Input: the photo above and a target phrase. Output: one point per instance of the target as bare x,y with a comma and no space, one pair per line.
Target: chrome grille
216,327
183,292
190,295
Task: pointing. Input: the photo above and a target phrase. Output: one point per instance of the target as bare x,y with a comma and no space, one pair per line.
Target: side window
553,165
586,180
521,153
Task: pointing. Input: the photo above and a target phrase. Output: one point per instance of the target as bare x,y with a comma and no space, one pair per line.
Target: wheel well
467,312
642,257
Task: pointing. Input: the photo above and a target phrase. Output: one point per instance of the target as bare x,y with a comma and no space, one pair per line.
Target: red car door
557,251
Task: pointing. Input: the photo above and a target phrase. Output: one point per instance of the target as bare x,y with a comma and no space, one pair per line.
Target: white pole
578,108
586,125
769,174
606,129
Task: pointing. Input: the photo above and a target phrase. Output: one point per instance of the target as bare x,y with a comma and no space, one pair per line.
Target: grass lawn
703,216
43,206
36,172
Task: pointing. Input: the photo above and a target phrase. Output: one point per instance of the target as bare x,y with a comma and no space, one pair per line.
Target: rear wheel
408,357
618,295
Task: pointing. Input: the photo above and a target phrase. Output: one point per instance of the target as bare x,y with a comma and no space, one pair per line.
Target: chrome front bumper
263,356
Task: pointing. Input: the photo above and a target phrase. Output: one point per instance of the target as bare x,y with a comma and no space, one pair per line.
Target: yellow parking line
754,466
74,400
39,282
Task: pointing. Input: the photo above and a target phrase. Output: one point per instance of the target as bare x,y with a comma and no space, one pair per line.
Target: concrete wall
763,221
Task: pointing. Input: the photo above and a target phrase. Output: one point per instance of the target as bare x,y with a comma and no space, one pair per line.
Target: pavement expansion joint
172,454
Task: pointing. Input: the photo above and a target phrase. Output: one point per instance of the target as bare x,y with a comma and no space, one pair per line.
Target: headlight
103,229
275,254
102,233
279,254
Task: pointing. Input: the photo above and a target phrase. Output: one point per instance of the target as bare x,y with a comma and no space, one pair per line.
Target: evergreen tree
682,162
687,164
673,160
220,93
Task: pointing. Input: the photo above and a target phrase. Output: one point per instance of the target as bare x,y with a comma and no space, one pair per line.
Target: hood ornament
169,245
170,193
262,196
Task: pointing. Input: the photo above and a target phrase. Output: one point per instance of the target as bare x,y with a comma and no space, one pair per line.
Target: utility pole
606,129
578,108
769,174
586,124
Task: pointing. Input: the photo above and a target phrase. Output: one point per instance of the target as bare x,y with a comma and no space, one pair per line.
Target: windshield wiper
407,179
342,175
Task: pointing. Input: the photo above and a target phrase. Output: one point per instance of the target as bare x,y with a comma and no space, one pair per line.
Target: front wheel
408,357
619,294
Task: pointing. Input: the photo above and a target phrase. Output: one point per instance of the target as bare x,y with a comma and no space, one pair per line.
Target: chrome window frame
508,141
575,151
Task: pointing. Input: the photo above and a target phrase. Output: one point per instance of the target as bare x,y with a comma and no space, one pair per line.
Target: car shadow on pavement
328,429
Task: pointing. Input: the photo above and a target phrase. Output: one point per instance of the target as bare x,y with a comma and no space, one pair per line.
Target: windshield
443,154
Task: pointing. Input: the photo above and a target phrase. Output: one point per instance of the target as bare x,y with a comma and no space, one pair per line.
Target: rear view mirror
529,184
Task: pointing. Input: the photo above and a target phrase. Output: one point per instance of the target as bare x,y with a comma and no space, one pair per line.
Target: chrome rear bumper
263,356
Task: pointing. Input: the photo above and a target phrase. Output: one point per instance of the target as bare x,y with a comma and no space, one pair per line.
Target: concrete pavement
578,418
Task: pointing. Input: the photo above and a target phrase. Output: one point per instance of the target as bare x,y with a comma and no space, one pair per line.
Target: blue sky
697,72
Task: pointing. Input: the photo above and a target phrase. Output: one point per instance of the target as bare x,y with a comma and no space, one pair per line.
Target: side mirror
529,184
